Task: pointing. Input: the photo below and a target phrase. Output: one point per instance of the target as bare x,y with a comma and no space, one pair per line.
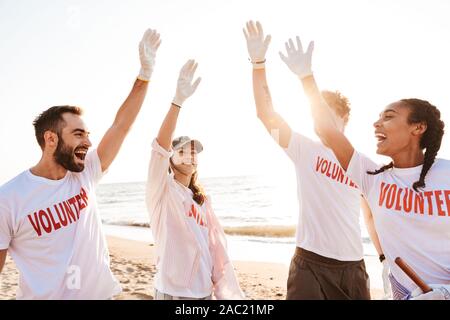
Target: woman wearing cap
409,197
192,260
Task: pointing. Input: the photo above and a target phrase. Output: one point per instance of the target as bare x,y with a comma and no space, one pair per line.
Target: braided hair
423,111
199,194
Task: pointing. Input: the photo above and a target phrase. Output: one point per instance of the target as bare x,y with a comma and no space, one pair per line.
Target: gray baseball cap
179,142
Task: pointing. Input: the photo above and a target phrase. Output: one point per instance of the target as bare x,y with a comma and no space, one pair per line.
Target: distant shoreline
274,231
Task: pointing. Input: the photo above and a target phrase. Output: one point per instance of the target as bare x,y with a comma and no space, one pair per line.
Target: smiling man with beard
49,221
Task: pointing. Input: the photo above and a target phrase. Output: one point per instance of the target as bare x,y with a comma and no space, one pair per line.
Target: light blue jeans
162,296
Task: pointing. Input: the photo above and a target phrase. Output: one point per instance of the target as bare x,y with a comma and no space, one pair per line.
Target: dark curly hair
423,111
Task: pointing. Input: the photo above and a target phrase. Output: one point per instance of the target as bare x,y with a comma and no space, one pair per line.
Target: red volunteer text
433,202
59,215
194,213
333,171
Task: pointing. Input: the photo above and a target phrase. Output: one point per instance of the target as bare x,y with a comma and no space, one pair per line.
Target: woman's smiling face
393,130
185,159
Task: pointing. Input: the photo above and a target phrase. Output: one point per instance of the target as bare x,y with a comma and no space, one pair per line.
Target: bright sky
86,53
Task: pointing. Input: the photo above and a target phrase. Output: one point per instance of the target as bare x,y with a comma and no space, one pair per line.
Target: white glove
185,87
298,61
439,292
256,43
386,283
147,51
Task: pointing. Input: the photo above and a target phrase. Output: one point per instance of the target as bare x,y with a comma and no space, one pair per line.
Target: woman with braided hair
420,112
409,197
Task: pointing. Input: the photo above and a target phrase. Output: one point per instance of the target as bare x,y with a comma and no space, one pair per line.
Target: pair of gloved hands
147,52
298,61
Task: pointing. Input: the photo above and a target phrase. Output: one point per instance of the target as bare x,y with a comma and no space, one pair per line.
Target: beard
65,156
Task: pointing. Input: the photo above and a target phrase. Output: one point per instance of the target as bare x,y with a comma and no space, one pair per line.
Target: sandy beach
132,262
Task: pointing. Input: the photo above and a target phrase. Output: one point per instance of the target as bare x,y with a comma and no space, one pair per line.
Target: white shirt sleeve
93,167
299,146
158,176
5,227
357,171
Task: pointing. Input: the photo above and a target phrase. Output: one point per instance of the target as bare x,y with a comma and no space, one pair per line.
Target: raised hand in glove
147,52
299,62
257,44
185,87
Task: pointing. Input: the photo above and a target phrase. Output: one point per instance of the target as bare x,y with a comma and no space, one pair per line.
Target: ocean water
248,201
257,212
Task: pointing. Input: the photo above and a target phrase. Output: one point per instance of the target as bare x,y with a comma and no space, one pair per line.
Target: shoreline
132,263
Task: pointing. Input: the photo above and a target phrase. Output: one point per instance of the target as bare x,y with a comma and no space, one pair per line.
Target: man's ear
419,128
51,139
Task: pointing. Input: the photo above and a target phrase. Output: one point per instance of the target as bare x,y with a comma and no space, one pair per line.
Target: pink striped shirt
177,250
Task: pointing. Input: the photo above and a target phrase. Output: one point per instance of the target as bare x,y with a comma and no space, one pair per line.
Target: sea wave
127,223
258,233
271,231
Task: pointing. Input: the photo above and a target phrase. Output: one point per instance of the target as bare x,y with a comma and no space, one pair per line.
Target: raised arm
257,47
185,88
112,140
161,148
299,62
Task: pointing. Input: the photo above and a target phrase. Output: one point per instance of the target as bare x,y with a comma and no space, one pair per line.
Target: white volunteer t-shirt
329,202
52,230
201,284
412,225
